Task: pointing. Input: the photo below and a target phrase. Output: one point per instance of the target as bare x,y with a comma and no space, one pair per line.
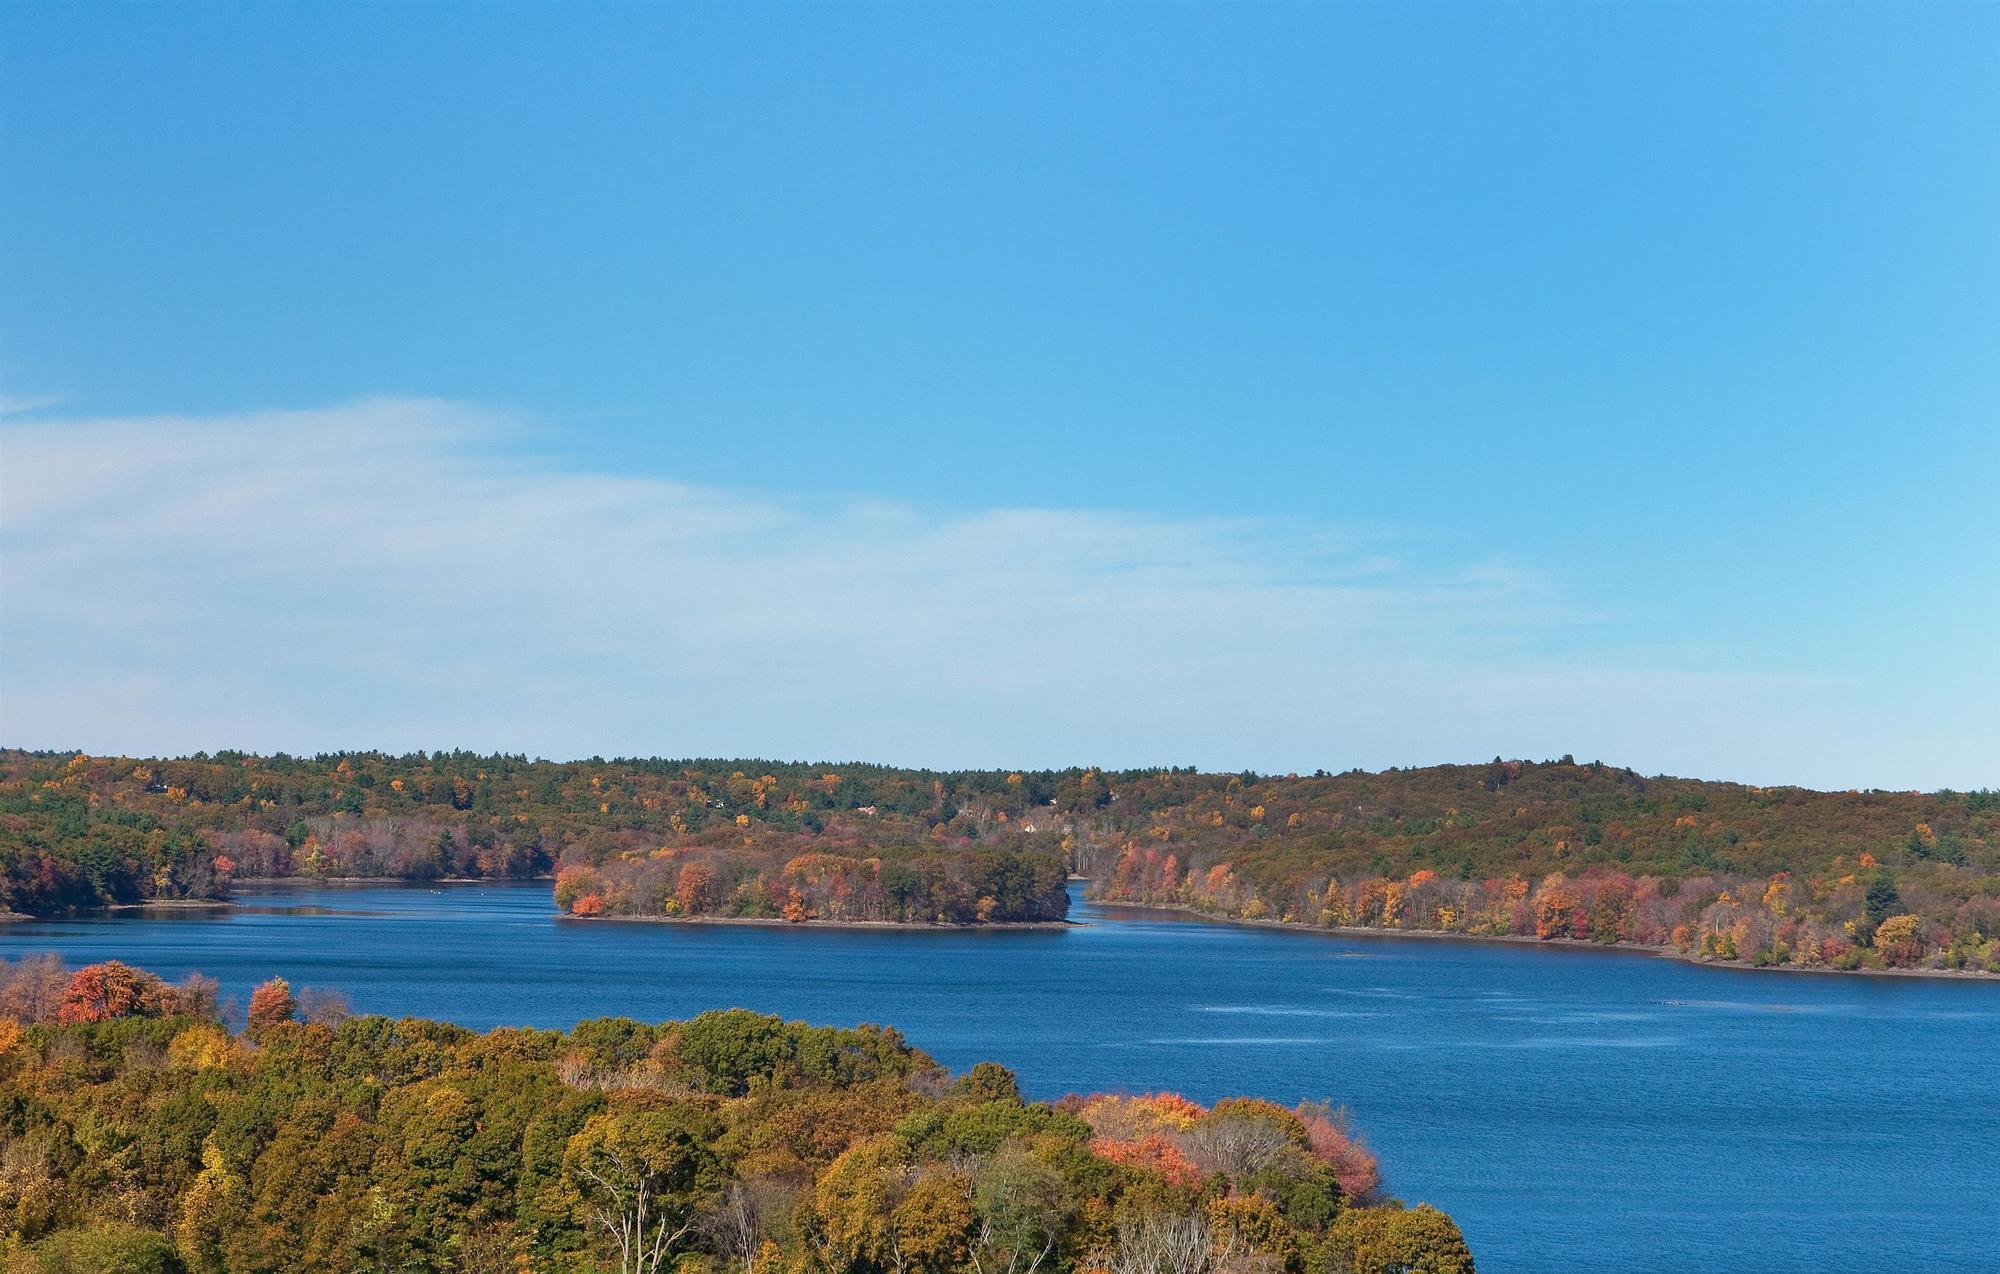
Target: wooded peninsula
1555,850
142,1136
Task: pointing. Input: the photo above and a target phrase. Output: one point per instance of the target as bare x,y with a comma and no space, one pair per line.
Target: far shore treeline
1552,850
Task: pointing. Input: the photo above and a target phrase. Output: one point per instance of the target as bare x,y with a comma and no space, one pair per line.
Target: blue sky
1243,386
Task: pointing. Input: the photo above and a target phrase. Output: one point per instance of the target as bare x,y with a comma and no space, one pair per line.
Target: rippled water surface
1574,1110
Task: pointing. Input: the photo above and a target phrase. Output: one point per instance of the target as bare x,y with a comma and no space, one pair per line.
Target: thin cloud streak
23,404
403,574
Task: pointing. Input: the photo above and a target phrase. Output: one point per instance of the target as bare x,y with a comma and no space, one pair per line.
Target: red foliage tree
1335,1145
101,992
271,1004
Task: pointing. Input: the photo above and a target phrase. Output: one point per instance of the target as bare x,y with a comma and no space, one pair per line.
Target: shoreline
390,880
900,926
197,904
1572,944
201,904
1657,951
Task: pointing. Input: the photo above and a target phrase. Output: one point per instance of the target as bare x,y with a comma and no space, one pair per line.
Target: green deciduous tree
638,1176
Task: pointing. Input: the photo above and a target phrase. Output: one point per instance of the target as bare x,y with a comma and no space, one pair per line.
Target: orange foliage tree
270,1004
101,992
693,888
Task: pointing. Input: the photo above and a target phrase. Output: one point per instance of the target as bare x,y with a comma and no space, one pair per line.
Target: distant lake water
1574,1110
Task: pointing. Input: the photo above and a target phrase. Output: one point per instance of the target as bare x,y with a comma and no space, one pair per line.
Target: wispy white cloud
22,404
399,574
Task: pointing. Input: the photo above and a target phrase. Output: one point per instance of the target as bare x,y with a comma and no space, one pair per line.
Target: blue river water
1574,1110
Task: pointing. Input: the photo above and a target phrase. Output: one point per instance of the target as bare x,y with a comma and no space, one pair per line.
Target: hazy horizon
534,758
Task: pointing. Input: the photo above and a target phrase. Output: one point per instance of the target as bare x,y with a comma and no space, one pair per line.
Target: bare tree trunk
1176,1244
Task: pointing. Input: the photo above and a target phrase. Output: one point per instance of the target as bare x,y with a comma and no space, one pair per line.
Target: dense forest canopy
1553,849
137,1133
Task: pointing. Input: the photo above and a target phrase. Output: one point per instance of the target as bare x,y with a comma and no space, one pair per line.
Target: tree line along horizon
139,1133
1553,850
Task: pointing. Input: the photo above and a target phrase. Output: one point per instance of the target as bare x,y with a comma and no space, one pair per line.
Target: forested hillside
137,1134
1771,876
1553,849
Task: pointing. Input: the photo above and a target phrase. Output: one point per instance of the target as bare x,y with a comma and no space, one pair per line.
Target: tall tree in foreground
638,1174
